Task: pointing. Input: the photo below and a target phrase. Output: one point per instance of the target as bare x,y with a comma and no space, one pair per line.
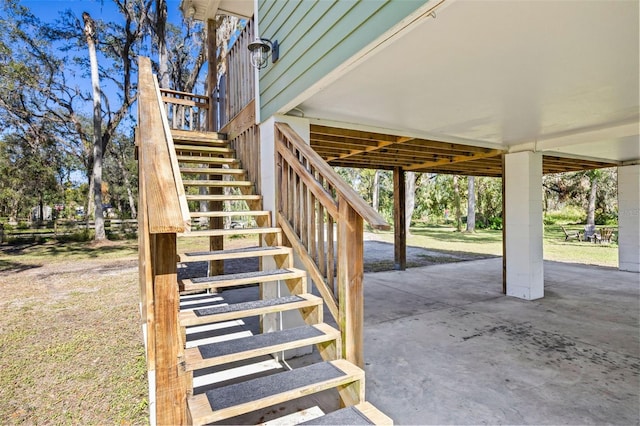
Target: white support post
523,201
270,290
629,218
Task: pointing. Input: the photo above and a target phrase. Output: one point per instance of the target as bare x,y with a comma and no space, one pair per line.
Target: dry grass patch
70,342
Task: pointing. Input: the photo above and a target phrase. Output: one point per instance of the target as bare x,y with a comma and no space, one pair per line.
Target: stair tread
237,253
216,183
203,148
243,278
213,354
237,231
233,213
239,398
361,414
220,313
223,197
212,171
206,160
194,135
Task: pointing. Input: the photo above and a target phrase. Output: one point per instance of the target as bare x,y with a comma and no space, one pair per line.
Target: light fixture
191,12
260,49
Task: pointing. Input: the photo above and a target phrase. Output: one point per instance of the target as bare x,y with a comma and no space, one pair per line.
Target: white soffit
208,9
560,76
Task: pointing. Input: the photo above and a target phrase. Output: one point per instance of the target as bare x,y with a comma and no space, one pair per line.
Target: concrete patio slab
456,351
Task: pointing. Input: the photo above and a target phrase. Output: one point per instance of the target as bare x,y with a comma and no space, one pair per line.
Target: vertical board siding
316,37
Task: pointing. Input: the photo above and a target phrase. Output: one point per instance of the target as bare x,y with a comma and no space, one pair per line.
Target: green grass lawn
485,241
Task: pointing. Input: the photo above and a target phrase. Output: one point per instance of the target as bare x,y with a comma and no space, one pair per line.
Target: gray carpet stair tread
247,305
264,387
242,275
345,416
258,341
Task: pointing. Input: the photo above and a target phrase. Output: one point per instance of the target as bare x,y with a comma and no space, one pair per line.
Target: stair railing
163,212
322,218
186,111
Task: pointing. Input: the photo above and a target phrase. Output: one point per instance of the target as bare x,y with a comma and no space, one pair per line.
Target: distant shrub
495,223
609,218
568,215
79,236
23,225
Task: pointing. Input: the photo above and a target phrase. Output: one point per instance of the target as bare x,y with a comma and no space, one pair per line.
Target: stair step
243,348
230,232
206,160
198,137
212,171
240,398
244,278
222,197
231,214
361,414
217,183
238,253
204,149
247,309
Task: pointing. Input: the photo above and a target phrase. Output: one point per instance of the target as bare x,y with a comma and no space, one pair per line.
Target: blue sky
48,10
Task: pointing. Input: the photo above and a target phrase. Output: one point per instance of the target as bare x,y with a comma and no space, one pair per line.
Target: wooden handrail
161,177
163,212
319,213
330,176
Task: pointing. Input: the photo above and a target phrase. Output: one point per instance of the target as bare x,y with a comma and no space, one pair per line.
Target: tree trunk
89,32
456,201
471,206
591,208
161,33
410,185
375,197
41,207
127,184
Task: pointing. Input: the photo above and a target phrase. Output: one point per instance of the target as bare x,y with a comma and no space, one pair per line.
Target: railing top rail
163,193
346,192
186,94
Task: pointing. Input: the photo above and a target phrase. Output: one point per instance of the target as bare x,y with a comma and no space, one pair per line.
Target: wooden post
212,76
399,220
350,277
171,404
504,231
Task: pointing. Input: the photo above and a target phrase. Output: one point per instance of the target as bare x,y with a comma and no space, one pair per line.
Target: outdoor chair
604,236
570,234
589,232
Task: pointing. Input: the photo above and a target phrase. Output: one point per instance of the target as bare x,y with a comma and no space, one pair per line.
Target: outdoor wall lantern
260,52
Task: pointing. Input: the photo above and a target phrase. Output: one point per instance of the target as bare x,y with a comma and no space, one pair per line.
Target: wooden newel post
170,382
350,277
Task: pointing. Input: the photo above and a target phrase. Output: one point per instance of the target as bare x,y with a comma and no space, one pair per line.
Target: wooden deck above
360,149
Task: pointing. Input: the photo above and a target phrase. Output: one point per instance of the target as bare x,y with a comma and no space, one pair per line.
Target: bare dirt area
379,255
70,341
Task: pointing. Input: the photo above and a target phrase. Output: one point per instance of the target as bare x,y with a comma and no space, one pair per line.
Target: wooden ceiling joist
360,149
456,159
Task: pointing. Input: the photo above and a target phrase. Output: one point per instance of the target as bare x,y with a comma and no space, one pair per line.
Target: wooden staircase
208,164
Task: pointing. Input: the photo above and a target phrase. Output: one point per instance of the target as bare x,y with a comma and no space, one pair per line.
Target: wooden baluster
322,265
313,242
331,254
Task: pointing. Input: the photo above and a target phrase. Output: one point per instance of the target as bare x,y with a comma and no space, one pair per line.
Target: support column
629,218
523,202
268,170
399,220
212,76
